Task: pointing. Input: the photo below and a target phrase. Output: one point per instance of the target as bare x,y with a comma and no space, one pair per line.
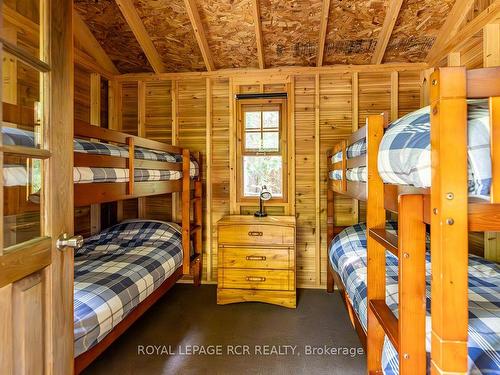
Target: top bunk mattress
356,149
17,175
404,156
405,151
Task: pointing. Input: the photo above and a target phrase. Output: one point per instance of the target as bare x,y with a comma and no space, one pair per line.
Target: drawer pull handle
255,278
256,257
255,234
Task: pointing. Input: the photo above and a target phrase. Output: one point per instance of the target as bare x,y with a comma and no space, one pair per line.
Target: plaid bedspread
85,175
347,255
17,175
405,152
116,270
356,149
359,174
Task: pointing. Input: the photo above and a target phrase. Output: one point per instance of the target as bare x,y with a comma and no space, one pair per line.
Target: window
262,150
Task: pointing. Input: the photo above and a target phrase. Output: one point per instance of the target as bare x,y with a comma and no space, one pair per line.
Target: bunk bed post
375,251
495,150
186,211
411,285
198,212
131,170
330,223
449,236
344,165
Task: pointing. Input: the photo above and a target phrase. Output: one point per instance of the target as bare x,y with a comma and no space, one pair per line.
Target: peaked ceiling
196,35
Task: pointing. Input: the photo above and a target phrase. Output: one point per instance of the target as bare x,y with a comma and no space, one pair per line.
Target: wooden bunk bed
445,206
188,185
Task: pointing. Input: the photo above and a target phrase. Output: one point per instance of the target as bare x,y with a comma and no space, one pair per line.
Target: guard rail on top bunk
451,215
101,192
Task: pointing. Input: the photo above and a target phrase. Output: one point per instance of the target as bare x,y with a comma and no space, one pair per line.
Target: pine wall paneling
158,126
327,112
82,112
324,108
130,124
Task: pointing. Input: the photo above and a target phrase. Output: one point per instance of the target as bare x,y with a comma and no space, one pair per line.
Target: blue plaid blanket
116,270
26,138
347,255
405,151
356,149
359,174
85,175
18,176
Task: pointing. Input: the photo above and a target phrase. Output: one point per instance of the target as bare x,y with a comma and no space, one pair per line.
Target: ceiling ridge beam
199,32
135,23
325,15
468,31
450,27
84,36
258,33
387,28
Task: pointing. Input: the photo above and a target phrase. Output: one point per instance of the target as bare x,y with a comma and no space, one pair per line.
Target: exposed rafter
258,33
468,31
325,12
83,36
450,27
199,32
82,59
386,32
134,21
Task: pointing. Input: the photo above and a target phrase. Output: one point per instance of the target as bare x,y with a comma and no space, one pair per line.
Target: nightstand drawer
257,279
270,235
257,258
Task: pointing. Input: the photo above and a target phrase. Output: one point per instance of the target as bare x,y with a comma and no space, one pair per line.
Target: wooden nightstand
256,260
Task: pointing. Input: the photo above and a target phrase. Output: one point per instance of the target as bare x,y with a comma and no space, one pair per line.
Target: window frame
281,104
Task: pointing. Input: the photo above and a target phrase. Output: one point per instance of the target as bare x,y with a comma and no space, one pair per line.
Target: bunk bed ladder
406,333
196,226
192,230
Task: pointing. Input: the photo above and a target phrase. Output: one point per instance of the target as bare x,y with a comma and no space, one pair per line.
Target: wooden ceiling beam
386,32
271,73
258,33
135,23
450,27
82,59
468,31
325,13
199,32
84,37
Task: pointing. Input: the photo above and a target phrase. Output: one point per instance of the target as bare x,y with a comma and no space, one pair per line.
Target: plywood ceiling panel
230,31
168,26
104,19
353,30
416,29
290,31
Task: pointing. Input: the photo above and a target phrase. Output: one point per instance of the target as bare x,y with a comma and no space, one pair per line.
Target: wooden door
36,187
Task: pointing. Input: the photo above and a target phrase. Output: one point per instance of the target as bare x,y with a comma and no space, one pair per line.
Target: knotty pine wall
195,113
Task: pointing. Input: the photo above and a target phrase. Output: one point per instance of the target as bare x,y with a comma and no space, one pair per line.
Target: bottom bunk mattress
116,270
347,254
357,174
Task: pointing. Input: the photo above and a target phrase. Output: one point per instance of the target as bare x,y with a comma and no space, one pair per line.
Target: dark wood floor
189,316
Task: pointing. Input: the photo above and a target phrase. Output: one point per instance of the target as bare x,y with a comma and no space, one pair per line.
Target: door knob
65,240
